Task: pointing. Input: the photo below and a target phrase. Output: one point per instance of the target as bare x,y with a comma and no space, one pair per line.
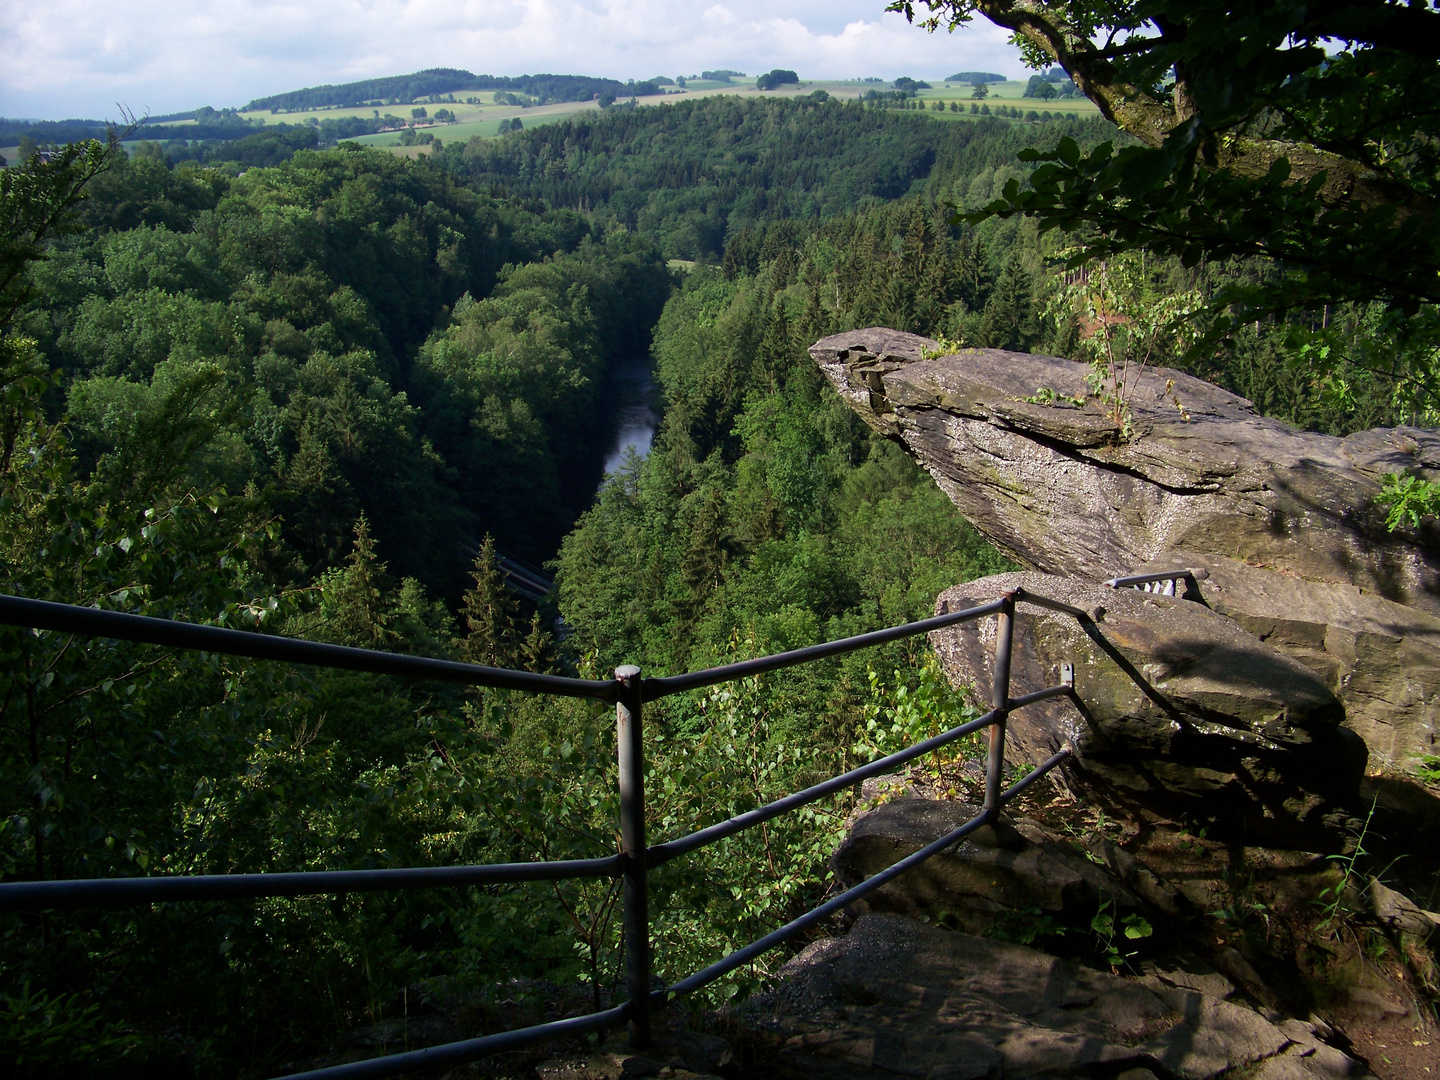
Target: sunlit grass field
484,128
1006,93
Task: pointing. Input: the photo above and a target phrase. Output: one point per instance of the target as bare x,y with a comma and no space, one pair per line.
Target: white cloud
69,58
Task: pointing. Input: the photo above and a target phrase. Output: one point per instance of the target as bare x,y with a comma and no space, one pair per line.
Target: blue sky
73,58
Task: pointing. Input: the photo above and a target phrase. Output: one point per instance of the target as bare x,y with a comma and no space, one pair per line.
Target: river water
633,392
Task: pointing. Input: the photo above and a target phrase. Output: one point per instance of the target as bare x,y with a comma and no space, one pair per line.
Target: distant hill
975,76
56,131
227,124
211,125
403,89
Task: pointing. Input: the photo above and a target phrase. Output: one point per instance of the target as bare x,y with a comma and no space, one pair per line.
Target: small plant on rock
1127,322
1338,902
947,347
1112,930
1024,926
1242,914
1429,769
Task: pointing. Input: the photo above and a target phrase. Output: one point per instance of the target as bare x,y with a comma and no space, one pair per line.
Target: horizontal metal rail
129,892
1023,596
739,957
1165,583
662,853
448,1055
674,684
69,619
1036,773
755,949
1062,690
1131,580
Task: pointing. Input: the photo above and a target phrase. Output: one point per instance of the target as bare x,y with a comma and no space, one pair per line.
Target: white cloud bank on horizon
72,58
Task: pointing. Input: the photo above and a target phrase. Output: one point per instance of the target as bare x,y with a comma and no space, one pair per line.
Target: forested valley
319,398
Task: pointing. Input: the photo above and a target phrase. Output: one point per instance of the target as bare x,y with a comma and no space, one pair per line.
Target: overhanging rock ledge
1282,521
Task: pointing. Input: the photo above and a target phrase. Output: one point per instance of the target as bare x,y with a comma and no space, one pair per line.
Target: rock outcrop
1179,714
1284,521
1381,658
895,997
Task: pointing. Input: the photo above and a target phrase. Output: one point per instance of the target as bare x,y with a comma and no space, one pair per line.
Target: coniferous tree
1011,319
490,613
353,603
703,566
537,651
775,348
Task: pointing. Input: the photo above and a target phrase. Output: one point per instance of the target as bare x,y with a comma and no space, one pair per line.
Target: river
633,392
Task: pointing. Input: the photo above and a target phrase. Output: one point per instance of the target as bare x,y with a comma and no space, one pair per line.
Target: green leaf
1136,926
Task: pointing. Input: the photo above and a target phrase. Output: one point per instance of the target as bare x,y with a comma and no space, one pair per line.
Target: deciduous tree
1297,132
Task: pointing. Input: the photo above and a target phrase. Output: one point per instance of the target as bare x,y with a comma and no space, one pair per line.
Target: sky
64,59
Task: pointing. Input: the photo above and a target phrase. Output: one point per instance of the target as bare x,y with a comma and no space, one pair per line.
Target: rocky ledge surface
898,998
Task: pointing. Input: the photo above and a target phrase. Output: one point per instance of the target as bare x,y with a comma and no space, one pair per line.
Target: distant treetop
976,76
778,77
722,75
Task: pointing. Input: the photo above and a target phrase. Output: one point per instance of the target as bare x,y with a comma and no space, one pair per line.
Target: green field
463,132
1007,93
464,112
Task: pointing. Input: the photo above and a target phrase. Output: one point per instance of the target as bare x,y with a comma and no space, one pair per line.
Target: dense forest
691,175
319,397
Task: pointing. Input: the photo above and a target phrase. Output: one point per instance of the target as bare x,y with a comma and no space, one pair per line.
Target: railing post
999,698
628,741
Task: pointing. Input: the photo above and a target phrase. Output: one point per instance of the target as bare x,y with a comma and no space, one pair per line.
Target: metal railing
1163,583
628,692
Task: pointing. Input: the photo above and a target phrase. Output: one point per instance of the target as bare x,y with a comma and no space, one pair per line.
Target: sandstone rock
1194,975
1303,1063
1374,1005
1178,713
898,998
1053,481
1017,867
1381,658
1307,1042
1217,1035
1283,519
1142,880
1398,912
